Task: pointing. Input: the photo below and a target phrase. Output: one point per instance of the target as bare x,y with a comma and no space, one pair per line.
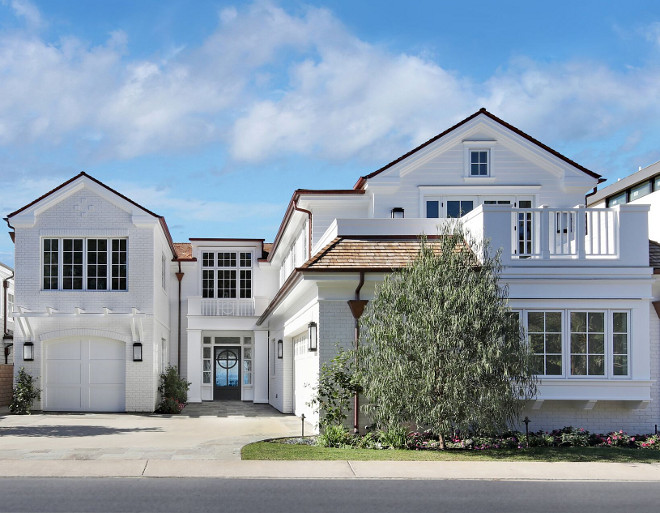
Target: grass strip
280,451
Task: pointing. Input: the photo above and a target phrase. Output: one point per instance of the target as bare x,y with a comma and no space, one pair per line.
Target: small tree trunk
441,439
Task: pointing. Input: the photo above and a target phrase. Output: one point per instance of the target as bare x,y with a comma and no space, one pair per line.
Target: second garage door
85,374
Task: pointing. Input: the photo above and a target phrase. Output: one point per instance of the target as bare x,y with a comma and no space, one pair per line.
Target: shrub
394,437
334,436
649,442
573,437
173,391
24,394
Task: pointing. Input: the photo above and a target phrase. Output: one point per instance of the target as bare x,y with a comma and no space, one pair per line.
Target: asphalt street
325,496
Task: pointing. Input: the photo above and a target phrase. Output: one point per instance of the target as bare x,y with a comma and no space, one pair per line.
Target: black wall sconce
280,349
137,351
397,213
28,351
313,333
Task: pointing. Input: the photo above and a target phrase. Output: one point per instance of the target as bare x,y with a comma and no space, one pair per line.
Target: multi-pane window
97,264
247,363
587,343
227,275
544,330
51,264
84,264
479,163
620,343
458,208
579,343
207,361
72,264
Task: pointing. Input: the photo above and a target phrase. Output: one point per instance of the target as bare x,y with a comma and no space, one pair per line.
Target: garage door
85,375
305,376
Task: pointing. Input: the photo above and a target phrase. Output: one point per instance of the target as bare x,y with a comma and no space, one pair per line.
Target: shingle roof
654,255
366,253
183,251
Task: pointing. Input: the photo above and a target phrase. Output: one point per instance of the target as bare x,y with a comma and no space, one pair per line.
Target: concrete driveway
207,431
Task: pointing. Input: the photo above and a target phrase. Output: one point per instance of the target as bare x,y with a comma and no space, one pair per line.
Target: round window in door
227,382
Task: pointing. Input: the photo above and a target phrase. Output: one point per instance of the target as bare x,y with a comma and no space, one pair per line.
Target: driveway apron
206,431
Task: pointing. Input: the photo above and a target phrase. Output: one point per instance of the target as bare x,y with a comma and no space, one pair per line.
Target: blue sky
212,112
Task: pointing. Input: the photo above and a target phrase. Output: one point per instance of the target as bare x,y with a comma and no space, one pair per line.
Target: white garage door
305,377
85,375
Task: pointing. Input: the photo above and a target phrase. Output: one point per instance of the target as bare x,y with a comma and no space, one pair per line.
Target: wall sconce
280,349
313,333
28,351
397,213
137,351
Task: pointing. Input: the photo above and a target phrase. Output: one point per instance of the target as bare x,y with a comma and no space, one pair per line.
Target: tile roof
183,251
654,255
366,253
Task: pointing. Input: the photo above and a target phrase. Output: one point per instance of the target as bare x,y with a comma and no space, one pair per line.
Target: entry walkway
206,431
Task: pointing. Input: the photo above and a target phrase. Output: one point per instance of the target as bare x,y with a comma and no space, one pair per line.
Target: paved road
325,496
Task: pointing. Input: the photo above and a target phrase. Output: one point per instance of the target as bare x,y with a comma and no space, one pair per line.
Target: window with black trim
84,264
479,163
227,275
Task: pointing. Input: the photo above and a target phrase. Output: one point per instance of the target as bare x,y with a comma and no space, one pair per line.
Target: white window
247,361
227,275
479,163
84,264
207,362
574,343
10,305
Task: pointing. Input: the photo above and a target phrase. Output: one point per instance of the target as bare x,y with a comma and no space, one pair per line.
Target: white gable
80,201
517,168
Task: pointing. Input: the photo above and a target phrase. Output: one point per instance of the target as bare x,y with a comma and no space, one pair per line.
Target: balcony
226,307
577,236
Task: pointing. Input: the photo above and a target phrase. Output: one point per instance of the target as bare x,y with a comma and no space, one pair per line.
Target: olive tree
440,347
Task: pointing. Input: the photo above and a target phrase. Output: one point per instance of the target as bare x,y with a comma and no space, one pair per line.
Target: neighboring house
254,321
6,313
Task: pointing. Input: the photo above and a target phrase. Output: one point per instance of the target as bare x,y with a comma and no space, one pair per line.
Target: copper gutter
309,227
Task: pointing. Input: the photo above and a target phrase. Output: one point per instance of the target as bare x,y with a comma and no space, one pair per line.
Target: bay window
576,343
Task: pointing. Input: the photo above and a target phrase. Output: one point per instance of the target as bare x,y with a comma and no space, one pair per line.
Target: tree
440,347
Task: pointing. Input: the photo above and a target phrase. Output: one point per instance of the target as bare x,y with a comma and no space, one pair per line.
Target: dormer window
479,163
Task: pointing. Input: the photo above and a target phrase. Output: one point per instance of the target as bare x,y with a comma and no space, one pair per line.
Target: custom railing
228,307
577,233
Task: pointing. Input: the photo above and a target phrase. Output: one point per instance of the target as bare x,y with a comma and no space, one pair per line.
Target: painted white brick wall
86,214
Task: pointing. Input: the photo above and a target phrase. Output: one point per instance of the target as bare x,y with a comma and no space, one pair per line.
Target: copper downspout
357,308
309,227
179,277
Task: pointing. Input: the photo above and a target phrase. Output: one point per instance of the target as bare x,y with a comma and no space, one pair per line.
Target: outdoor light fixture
313,336
280,349
137,351
397,213
28,351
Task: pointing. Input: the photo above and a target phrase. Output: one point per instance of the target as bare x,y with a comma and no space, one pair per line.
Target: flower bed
426,440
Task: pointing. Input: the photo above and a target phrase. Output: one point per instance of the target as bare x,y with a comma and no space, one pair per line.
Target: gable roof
362,181
161,219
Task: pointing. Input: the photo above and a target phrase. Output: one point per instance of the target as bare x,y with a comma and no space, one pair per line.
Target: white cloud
269,83
28,11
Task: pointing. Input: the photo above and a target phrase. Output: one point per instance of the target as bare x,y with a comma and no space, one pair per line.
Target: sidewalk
463,470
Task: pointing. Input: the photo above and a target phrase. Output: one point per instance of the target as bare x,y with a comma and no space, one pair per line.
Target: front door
227,373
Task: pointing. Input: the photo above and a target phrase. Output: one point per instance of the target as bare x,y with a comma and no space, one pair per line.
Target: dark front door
227,373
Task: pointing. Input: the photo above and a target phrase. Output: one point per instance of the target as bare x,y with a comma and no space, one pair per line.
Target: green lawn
280,451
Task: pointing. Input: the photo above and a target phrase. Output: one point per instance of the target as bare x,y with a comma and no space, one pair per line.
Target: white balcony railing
228,307
579,233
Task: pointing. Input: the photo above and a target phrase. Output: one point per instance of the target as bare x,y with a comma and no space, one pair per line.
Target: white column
194,366
260,370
